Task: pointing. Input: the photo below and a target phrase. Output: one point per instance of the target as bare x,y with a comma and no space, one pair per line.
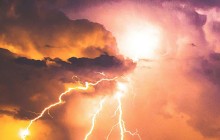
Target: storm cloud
27,82
50,45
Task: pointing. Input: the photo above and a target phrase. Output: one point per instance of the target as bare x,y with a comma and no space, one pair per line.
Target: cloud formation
33,29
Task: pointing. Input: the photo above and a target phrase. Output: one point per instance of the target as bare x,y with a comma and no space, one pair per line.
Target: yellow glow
141,41
24,133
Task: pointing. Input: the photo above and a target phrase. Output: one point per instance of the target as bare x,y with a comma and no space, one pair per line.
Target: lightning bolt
26,132
121,123
111,131
94,119
121,89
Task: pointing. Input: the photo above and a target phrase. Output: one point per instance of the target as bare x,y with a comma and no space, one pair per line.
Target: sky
163,54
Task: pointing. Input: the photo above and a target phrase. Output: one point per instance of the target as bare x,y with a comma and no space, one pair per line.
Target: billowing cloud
31,29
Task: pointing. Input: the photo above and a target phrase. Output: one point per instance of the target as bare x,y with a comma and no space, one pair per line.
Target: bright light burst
141,41
24,133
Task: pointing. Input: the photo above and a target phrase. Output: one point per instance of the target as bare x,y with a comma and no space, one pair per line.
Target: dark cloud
27,8
7,112
17,85
31,62
195,3
196,19
80,4
26,83
211,68
215,27
204,3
